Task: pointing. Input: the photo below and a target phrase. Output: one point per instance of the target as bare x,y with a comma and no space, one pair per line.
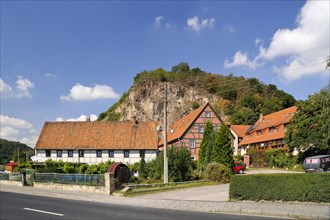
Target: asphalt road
21,206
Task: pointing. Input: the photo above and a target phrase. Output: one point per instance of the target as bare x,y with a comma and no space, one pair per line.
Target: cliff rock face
146,101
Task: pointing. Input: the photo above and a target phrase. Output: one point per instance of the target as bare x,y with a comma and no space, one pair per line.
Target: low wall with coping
108,188
70,187
10,182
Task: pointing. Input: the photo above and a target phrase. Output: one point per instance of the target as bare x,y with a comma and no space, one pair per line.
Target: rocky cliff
146,101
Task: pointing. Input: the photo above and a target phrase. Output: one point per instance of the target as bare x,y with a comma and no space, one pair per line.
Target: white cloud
158,21
49,75
305,47
16,129
197,25
92,117
241,59
5,89
83,93
23,85
229,28
258,42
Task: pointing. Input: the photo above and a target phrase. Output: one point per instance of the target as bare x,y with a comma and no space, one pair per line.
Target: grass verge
150,190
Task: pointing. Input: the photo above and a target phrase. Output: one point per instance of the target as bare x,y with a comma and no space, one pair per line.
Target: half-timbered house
188,131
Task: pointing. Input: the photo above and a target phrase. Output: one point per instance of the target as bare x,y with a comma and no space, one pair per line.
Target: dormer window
259,132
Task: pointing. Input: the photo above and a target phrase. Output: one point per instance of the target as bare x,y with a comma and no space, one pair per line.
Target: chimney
88,119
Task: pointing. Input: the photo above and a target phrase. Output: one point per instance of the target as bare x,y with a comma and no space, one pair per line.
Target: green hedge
311,187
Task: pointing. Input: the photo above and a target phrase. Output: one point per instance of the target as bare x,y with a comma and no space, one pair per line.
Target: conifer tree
142,171
208,154
205,141
222,151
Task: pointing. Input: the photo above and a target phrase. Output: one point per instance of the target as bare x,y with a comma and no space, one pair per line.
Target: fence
11,176
77,179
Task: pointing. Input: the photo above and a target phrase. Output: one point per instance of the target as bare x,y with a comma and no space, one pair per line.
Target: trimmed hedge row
304,187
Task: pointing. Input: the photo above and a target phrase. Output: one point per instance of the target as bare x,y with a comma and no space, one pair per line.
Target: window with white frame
142,153
59,153
111,153
48,153
126,153
201,129
208,114
192,143
81,153
70,153
98,153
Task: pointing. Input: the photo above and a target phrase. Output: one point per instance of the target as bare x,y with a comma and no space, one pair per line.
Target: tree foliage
180,165
12,150
309,127
208,130
222,151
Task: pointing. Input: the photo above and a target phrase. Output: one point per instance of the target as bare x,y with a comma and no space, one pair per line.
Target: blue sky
63,60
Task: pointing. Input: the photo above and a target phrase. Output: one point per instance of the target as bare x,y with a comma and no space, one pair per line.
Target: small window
99,153
48,152
142,153
208,114
59,153
70,153
192,143
201,129
81,153
111,153
126,153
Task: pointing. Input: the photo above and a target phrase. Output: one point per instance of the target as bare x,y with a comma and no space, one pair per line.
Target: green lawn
149,190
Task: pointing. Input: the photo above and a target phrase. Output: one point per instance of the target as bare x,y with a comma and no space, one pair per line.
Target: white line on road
36,210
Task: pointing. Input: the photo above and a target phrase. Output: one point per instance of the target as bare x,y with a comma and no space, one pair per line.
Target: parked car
239,168
319,163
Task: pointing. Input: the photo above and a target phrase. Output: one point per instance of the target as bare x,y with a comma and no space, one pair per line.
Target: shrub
180,165
314,187
217,172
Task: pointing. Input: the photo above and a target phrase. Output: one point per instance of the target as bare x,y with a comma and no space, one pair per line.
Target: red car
239,168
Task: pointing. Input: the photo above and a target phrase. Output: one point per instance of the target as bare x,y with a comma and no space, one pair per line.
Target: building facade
96,142
268,132
238,132
188,131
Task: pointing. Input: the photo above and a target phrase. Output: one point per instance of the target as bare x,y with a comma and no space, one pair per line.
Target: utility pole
165,136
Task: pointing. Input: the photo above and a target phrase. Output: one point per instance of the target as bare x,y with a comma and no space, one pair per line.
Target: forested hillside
9,150
237,100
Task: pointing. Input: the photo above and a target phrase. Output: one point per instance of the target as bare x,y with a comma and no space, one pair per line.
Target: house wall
91,158
234,142
193,133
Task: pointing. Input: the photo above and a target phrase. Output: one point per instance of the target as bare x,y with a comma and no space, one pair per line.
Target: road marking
51,213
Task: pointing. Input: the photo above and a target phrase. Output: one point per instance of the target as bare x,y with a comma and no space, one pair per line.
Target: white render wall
90,156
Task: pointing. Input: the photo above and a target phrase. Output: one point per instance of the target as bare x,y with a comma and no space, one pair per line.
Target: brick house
189,130
98,141
268,132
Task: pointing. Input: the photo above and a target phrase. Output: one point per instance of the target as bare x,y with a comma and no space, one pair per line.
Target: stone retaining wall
13,183
70,187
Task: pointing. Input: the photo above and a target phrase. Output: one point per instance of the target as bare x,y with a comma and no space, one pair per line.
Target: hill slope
237,100
9,151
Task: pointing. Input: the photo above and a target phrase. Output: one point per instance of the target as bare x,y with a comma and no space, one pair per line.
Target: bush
217,172
313,187
180,165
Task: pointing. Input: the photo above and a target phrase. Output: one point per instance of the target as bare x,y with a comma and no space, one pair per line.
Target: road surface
22,206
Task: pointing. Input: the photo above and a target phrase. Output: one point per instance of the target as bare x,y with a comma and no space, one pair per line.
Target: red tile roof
240,130
11,163
98,135
178,129
275,119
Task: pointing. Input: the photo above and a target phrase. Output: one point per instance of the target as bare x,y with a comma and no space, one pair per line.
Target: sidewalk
279,209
